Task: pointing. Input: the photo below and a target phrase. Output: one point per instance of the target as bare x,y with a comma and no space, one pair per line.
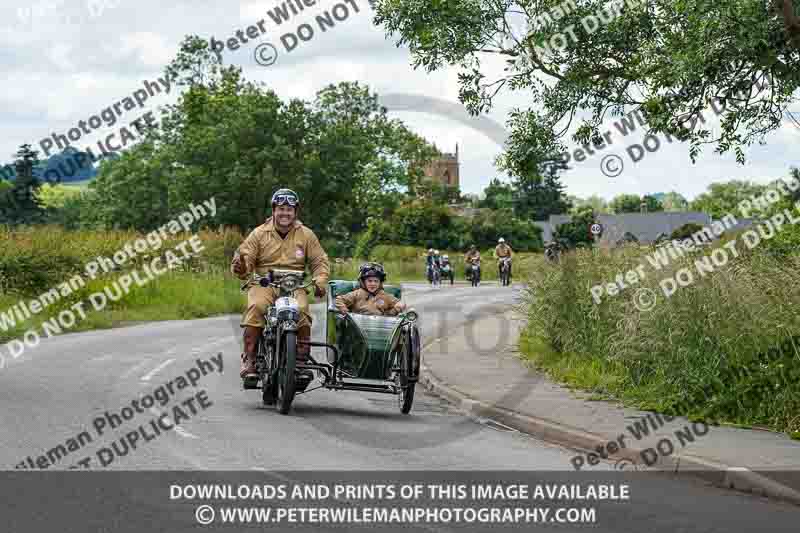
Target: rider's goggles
283,199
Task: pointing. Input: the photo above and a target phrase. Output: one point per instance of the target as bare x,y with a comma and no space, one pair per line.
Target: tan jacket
265,250
471,255
503,250
362,302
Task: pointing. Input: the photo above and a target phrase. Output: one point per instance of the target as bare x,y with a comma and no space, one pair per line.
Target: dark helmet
368,270
285,196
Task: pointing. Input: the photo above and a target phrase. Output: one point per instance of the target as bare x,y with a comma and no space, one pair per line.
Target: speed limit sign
596,229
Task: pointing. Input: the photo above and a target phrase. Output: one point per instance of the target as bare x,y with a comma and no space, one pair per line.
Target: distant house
646,227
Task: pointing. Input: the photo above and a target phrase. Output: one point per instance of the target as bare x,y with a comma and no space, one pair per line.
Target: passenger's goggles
283,199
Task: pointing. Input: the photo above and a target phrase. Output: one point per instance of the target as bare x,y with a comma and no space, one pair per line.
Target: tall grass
726,347
34,260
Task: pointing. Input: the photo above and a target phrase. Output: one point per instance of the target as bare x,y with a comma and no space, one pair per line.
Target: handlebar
287,280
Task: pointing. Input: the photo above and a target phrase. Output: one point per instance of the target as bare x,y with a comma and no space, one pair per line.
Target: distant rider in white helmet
503,250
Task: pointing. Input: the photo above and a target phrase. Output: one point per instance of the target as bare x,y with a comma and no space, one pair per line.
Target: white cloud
151,48
57,75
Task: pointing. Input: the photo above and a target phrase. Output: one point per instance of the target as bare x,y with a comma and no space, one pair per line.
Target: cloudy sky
66,60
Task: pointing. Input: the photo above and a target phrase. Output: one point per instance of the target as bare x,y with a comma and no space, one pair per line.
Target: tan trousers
259,298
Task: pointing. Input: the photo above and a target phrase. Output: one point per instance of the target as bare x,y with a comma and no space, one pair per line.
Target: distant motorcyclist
370,298
447,268
432,261
503,250
473,256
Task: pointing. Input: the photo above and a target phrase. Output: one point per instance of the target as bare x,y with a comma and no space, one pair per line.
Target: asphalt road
51,394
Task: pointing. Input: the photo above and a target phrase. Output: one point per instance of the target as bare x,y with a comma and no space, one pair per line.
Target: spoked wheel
284,383
406,397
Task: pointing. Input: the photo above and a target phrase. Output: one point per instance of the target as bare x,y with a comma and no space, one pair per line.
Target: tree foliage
576,231
238,141
594,202
674,201
538,197
18,202
497,195
724,198
626,203
668,58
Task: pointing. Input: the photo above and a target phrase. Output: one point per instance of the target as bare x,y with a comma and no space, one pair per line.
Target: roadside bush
576,231
723,348
686,231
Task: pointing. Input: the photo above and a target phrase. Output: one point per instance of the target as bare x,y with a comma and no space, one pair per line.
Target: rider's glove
239,265
319,290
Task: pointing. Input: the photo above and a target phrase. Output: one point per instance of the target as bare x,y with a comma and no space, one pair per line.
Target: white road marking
101,358
178,429
134,368
156,370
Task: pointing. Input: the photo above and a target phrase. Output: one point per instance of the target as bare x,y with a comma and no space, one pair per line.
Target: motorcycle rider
370,298
446,263
282,242
431,261
503,250
471,257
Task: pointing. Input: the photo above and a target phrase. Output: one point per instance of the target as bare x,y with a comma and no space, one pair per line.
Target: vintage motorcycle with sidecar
378,354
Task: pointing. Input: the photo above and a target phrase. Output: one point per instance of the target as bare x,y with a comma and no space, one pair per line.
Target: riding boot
248,370
304,350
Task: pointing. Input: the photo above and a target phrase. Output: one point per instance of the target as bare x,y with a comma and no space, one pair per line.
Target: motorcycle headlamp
288,284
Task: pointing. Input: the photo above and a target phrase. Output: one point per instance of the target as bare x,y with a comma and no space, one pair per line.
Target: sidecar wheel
405,398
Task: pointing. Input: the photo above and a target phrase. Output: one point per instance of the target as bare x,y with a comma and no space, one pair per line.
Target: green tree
787,240
576,231
238,141
724,198
652,204
497,195
539,196
597,203
673,201
667,58
626,203
522,234
18,204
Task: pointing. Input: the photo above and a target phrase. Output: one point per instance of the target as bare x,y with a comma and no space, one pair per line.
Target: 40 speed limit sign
596,229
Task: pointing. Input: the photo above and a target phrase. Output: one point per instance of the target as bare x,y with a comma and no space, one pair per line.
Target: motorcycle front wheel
284,384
